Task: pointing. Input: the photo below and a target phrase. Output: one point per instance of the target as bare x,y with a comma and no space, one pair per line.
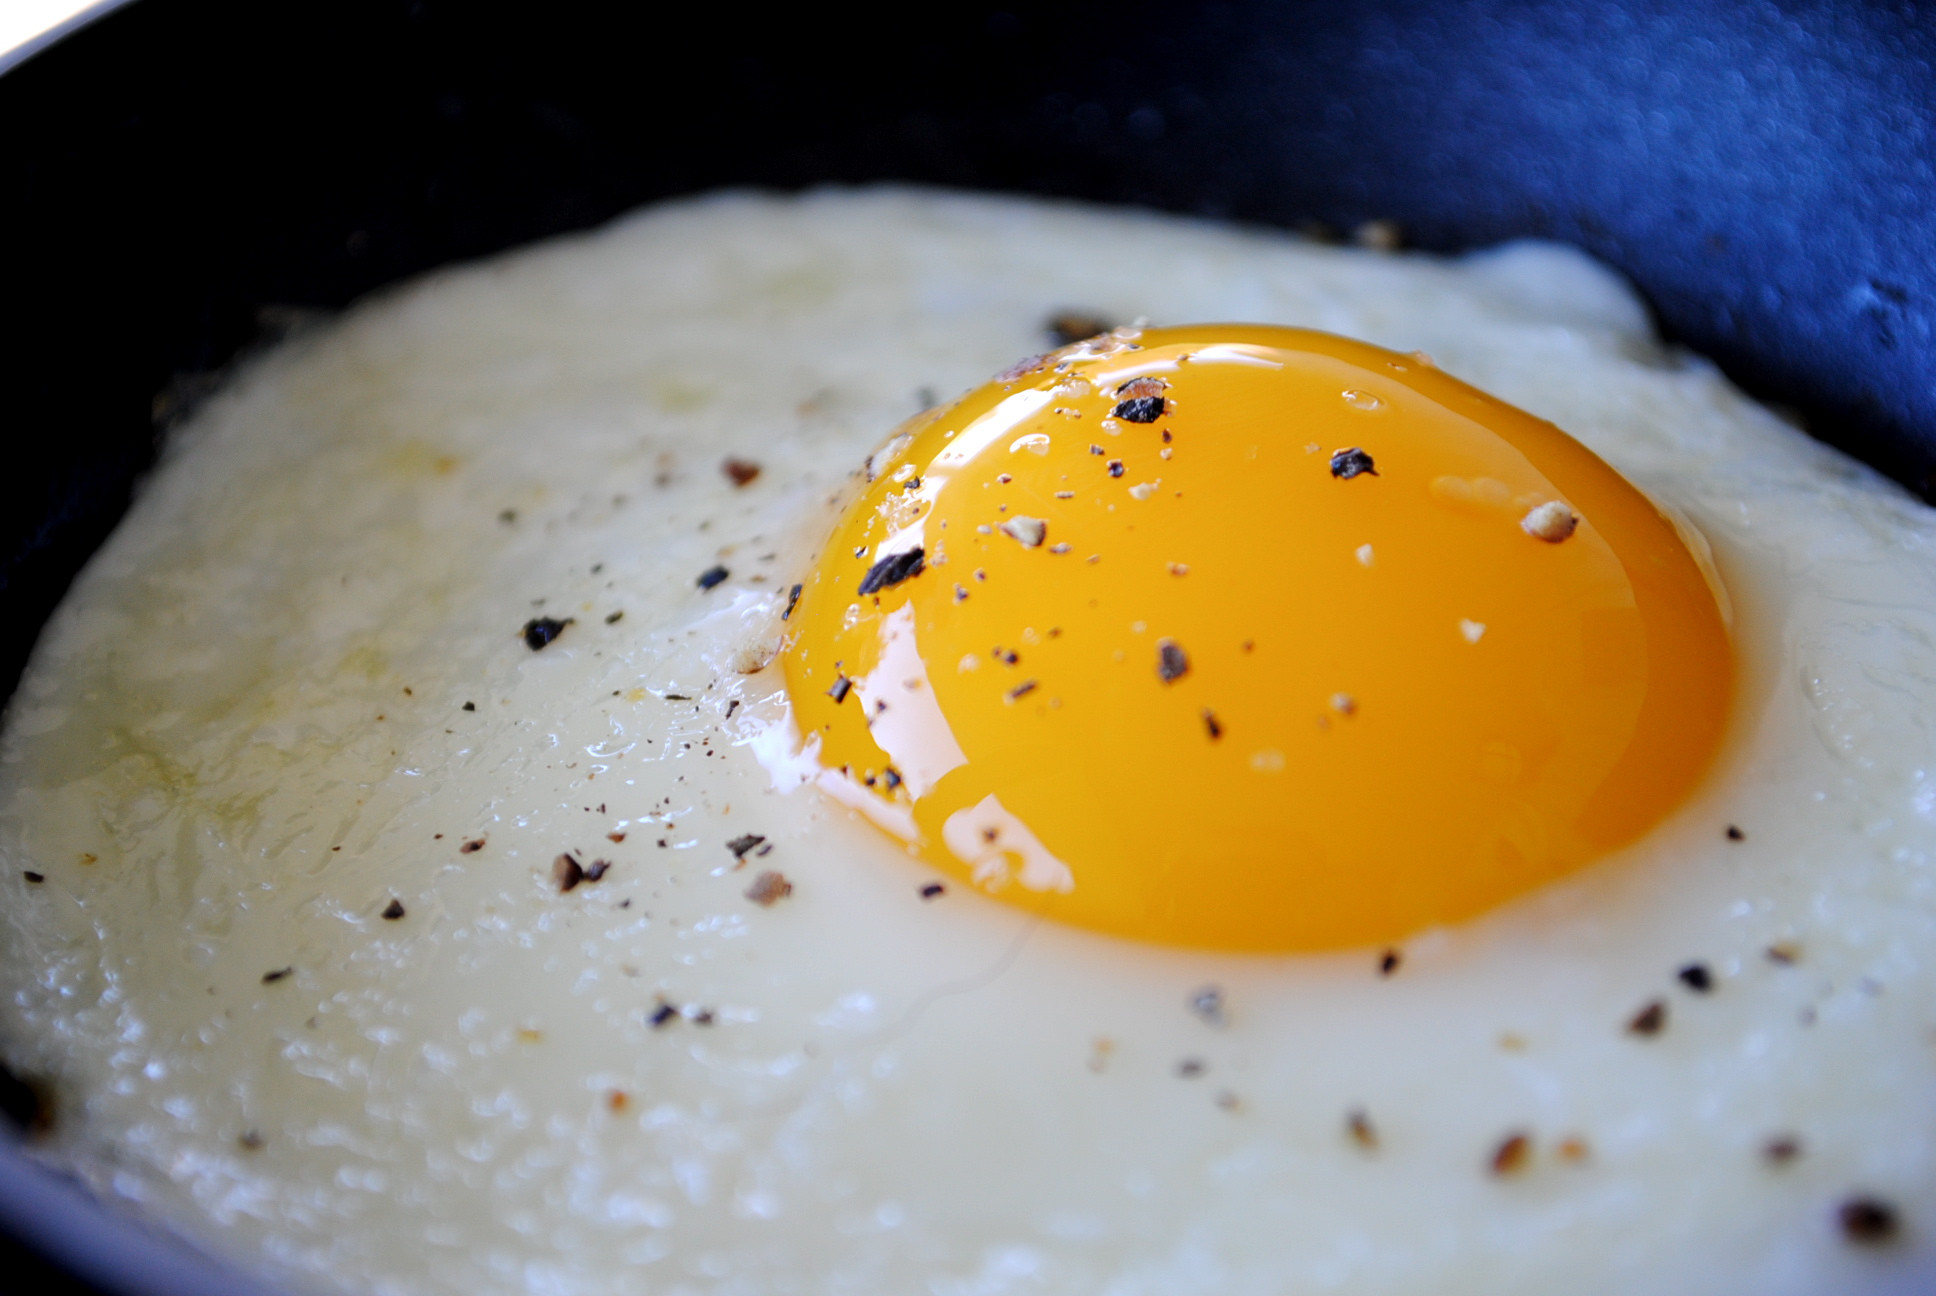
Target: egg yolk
1254,638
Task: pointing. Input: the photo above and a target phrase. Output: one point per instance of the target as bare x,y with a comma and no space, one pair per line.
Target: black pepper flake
1696,977
613,618
1067,327
769,888
470,706
892,777
1868,1221
1381,235
842,687
740,472
1735,834
1021,690
251,1140
1210,725
1388,962
1095,450
932,890
1512,1154
471,847
911,484
793,600
741,845
712,577
1346,464
1781,1149
32,876
892,570
1208,1004
1171,662
597,869
1139,409
1650,1020
566,872
662,1016
539,631
1190,1068
25,1102
393,910
270,978
1021,368
1115,467
1358,1124
1006,656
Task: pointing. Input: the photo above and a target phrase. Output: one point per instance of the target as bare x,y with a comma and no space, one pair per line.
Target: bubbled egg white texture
304,984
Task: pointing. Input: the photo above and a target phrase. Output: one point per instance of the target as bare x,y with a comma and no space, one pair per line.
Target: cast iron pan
180,172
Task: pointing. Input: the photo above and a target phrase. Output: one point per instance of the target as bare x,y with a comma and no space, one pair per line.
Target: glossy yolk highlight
1254,639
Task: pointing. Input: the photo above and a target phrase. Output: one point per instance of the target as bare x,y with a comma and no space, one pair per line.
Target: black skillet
179,173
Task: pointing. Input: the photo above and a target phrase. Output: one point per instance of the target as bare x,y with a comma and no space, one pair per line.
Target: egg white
245,733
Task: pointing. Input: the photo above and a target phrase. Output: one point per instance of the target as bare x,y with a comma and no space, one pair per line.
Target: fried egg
1417,764
603,771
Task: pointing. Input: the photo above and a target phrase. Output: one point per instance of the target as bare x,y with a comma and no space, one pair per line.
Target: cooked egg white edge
896,1095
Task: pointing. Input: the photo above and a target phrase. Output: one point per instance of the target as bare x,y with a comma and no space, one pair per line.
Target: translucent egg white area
246,733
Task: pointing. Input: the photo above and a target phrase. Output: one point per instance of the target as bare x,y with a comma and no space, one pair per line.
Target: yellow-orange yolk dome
1254,638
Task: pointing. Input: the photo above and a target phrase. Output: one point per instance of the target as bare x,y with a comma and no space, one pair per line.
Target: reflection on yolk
1254,639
